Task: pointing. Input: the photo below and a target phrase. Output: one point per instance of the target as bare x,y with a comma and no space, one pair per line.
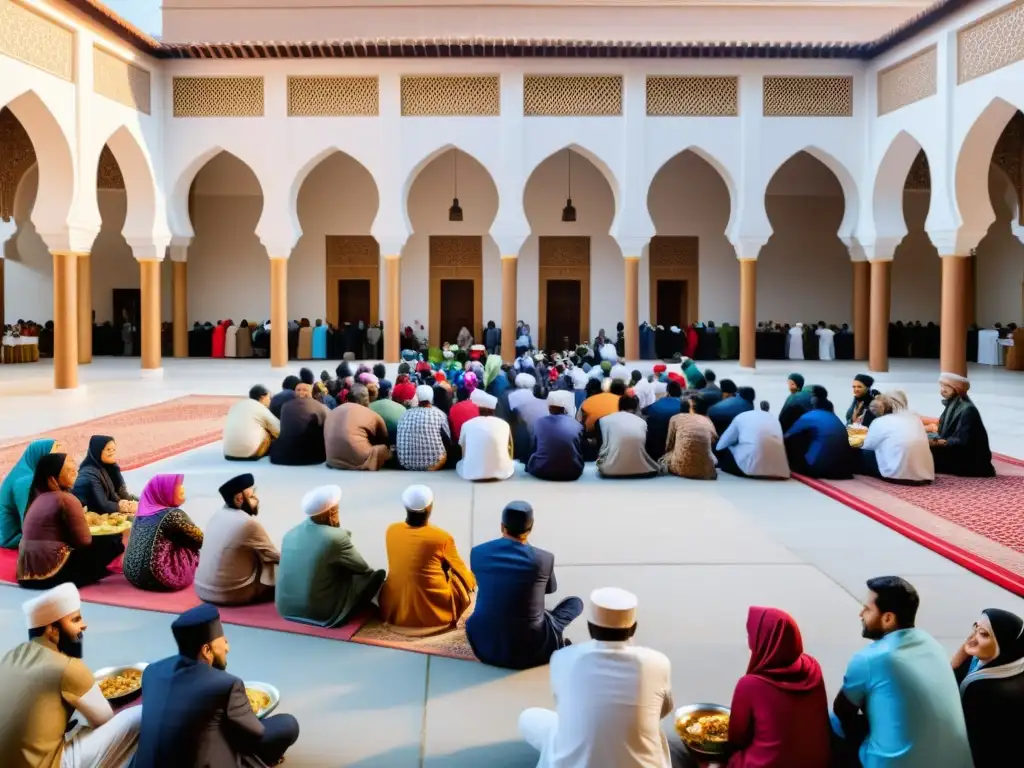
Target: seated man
659,414
729,407
354,436
301,441
557,451
250,427
322,579
486,443
423,438
237,559
899,704
198,714
510,627
599,404
428,587
287,393
896,445
960,446
753,446
797,403
45,681
623,443
818,445
610,695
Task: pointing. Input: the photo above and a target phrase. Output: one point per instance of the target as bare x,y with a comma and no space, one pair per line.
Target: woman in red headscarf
779,708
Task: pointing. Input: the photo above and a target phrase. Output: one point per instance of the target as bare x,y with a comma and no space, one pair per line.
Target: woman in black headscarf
858,412
990,670
100,485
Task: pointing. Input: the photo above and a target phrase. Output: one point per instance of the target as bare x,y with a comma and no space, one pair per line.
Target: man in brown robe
354,436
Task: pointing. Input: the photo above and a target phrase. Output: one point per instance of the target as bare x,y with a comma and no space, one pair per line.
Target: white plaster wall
999,280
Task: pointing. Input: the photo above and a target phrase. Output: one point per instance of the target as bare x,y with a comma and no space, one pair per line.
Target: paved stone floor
697,554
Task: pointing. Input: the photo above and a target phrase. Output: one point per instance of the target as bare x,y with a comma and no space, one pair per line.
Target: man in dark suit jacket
658,415
196,714
732,404
510,627
301,440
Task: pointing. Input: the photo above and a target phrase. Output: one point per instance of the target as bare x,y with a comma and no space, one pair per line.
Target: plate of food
704,728
856,434
263,698
108,525
120,685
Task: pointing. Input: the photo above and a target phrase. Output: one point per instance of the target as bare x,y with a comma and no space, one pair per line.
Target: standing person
899,704
960,442
196,714
610,696
826,342
100,486
795,344
250,427
623,450
424,438
163,550
753,446
45,681
557,450
16,490
859,413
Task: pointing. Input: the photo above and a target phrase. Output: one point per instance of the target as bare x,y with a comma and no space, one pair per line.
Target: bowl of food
111,524
703,728
119,685
263,698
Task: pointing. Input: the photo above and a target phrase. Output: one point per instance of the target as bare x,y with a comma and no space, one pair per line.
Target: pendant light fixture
455,212
569,212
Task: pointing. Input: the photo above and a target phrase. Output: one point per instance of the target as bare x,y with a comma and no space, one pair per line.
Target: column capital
955,242
749,246
178,252
71,239
391,243
148,248
633,245
509,243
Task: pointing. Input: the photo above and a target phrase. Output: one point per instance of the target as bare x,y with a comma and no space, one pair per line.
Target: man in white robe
486,443
826,342
795,343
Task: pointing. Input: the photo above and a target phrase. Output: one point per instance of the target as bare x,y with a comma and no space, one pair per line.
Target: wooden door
353,301
127,309
672,309
457,309
564,312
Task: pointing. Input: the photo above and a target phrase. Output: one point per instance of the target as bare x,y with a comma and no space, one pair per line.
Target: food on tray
856,434
115,522
258,700
704,728
121,684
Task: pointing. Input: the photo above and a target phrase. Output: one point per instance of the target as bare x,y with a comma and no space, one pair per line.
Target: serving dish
116,701
269,690
685,716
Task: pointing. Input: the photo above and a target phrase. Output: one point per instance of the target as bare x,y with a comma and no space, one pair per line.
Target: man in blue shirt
659,414
510,627
557,451
817,445
899,702
730,406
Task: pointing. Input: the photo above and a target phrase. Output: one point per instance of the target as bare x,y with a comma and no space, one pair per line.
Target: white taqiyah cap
321,499
483,400
53,605
424,394
562,399
417,498
612,608
525,381
619,372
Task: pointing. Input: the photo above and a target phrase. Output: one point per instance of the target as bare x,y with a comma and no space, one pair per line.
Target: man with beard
198,714
44,681
238,559
899,704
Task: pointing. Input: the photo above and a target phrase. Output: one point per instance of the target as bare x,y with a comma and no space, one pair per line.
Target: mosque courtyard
696,553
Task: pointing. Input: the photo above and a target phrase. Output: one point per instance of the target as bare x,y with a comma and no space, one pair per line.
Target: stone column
878,354
970,265
278,312
180,309
392,323
861,309
953,353
748,313
84,265
65,320
632,319
149,326
509,306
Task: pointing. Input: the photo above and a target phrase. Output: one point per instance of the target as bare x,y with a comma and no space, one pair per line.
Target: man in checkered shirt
424,438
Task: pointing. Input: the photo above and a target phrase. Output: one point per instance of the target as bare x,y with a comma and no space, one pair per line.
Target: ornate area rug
143,435
975,522
452,644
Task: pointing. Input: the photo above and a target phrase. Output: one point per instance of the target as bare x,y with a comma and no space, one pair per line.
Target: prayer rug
452,644
975,522
144,435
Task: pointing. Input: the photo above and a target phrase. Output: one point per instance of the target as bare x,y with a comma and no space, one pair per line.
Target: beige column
953,352
149,326
878,353
65,320
632,321
509,306
748,313
970,269
180,309
84,264
278,312
861,309
392,323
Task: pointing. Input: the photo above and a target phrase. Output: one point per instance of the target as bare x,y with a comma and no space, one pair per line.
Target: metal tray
271,691
102,674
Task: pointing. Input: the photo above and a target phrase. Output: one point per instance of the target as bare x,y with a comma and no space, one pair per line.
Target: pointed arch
178,203
139,183
311,164
417,169
716,164
890,179
974,156
851,197
595,160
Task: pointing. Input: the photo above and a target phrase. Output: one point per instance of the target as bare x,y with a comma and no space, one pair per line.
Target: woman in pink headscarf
163,551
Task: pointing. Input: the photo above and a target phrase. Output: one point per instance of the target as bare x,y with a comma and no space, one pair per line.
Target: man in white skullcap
526,404
322,579
486,443
557,451
959,440
44,681
428,586
610,695
423,437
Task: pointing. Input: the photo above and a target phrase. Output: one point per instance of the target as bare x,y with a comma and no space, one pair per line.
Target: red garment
220,332
459,414
404,392
691,341
779,708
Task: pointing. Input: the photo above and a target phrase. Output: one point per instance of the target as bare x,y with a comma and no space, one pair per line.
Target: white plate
271,691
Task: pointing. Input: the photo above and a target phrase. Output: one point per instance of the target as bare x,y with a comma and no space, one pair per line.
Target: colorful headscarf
16,489
158,494
491,369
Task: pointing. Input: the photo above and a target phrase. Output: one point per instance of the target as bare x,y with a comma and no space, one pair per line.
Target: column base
74,392
748,369
152,373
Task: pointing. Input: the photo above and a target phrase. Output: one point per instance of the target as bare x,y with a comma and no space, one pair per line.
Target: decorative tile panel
456,251
919,177
33,39
218,97
448,96
692,96
566,95
108,173
990,43
674,251
352,251
808,96
907,81
16,157
567,251
333,97
120,80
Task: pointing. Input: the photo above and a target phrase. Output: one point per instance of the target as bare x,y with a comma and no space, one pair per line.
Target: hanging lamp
455,212
569,212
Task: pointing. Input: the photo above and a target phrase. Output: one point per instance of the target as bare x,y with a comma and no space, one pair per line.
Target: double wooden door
564,313
457,309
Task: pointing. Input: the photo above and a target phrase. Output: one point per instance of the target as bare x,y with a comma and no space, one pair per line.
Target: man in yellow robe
428,586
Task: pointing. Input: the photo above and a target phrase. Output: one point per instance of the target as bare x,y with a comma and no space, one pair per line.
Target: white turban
417,498
644,392
620,372
321,499
424,394
53,605
609,353
579,378
525,381
563,399
483,400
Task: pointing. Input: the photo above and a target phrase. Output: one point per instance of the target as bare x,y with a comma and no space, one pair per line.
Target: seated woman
859,413
691,438
990,670
56,545
896,445
163,550
100,486
14,492
818,445
960,446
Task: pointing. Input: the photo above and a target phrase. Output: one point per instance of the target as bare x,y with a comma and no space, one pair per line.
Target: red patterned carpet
976,522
